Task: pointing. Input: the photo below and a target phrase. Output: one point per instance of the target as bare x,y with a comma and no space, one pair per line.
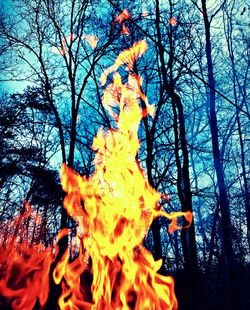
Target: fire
91,39
124,15
59,51
125,30
172,21
24,267
145,13
120,19
114,209
126,57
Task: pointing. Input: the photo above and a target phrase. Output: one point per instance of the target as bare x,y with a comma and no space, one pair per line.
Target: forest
124,122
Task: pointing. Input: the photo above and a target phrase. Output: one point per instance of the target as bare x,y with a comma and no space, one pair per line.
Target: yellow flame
128,57
115,208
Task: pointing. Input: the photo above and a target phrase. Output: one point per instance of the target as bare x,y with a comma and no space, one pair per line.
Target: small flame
91,39
145,13
125,30
59,51
124,15
172,21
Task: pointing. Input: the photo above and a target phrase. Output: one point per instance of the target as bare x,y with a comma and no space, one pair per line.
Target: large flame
114,209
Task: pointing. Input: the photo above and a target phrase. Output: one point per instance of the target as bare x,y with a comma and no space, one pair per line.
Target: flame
23,276
125,30
24,267
120,19
113,208
172,21
128,57
145,13
59,51
124,15
63,50
91,39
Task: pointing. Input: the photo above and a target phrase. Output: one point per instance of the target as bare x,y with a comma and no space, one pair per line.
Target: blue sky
10,86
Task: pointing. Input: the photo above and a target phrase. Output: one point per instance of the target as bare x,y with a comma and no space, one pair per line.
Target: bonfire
113,208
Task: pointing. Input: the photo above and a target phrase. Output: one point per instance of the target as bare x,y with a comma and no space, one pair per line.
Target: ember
114,209
172,21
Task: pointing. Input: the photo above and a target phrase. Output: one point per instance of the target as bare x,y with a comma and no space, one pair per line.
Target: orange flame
172,21
70,37
114,209
128,57
125,30
91,39
145,13
124,15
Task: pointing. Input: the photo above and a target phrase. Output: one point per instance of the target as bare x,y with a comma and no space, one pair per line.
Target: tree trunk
238,121
245,181
218,162
183,180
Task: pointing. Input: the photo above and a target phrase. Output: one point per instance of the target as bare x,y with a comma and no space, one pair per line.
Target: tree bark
218,162
229,33
183,179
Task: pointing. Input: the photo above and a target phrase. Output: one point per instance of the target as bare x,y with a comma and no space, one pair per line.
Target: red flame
124,15
24,267
125,30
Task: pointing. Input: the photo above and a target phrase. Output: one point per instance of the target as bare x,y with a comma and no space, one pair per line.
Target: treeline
196,148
